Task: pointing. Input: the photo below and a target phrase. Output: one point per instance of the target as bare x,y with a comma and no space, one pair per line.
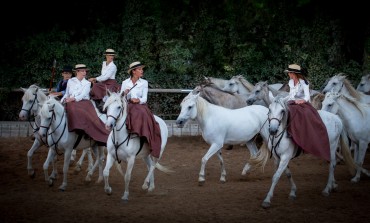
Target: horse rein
55,143
29,112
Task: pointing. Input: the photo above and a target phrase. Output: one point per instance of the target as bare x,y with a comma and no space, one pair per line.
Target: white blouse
299,91
107,72
78,89
140,91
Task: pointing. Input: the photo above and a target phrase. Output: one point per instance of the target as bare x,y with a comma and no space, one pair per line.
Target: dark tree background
180,41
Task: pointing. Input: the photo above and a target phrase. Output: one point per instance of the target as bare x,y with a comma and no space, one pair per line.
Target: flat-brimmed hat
67,68
109,52
294,68
80,66
134,65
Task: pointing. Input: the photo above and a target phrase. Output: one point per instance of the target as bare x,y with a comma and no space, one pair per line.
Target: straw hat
80,66
293,68
110,52
134,65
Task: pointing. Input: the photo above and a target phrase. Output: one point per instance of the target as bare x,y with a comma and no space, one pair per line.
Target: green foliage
180,42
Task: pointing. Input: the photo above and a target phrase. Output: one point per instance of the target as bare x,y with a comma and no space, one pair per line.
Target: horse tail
346,152
119,168
163,168
260,159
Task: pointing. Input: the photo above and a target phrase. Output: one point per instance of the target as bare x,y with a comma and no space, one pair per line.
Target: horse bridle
55,143
29,112
279,136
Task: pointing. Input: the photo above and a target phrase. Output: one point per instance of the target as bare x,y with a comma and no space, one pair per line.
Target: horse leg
223,170
149,179
293,187
73,155
253,151
283,164
97,162
359,158
90,158
79,162
50,158
108,165
67,160
130,165
212,150
99,151
331,185
35,146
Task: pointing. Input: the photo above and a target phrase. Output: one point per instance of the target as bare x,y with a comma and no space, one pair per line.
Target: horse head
31,100
278,114
335,83
116,107
188,109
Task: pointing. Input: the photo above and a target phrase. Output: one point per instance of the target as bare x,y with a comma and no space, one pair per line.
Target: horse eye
190,107
334,83
258,91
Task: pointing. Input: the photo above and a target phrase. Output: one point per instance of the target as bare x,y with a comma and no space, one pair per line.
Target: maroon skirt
308,130
82,116
99,89
141,121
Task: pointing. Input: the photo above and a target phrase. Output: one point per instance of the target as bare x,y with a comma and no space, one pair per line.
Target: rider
81,113
140,119
107,80
305,125
62,84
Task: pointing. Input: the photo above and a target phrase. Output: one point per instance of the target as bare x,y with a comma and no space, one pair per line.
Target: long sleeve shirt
80,90
140,91
107,72
299,91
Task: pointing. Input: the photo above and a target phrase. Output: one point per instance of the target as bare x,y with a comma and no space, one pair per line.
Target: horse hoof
61,189
266,205
291,197
51,183
33,175
201,183
325,194
108,191
222,181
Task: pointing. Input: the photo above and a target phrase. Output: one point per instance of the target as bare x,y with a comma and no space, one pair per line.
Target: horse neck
60,121
246,84
203,111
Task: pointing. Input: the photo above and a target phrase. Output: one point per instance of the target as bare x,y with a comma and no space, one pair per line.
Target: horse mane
29,93
58,107
352,91
244,82
360,106
201,107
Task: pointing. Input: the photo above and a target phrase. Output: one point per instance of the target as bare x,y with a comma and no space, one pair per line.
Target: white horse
339,84
32,100
125,146
283,148
262,91
364,85
54,129
356,119
224,126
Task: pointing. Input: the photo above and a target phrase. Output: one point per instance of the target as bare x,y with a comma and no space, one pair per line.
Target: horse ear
23,89
271,96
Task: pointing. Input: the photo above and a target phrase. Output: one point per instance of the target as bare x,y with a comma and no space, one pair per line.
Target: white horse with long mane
54,129
339,84
221,126
125,146
32,100
356,119
364,85
283,148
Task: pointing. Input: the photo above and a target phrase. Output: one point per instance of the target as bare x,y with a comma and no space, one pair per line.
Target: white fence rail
24,129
